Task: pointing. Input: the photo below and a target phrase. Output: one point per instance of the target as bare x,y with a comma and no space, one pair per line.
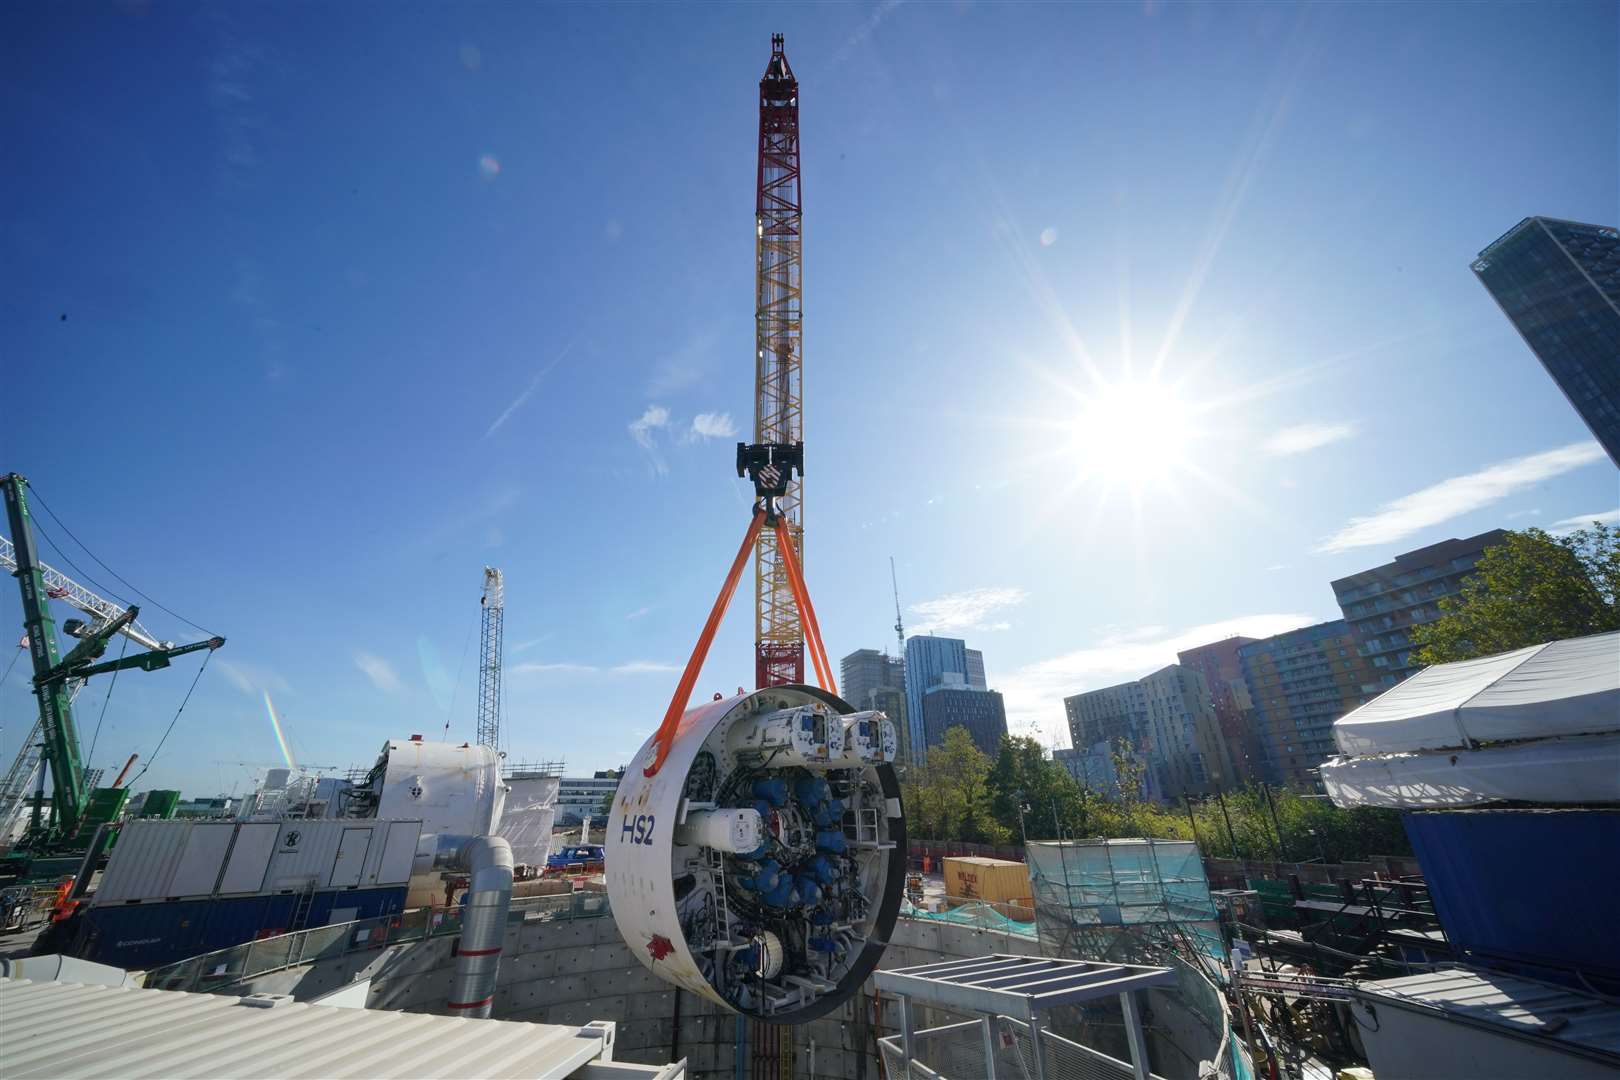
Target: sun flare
1132,433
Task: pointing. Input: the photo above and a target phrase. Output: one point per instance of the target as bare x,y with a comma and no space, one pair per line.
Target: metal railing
224,968
962,1052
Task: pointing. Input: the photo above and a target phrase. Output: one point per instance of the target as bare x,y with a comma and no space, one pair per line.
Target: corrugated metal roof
64,1030
1525,1006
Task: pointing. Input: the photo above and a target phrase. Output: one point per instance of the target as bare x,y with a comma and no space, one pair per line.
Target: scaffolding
1141,901
1119,899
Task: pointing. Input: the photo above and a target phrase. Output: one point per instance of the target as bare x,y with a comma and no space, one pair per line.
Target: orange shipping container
997,881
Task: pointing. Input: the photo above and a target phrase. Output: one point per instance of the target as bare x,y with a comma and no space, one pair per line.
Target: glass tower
1559,283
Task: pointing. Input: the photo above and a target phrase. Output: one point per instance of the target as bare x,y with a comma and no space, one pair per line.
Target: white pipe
488,862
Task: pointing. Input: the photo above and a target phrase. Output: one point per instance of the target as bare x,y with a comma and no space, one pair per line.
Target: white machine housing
449,788
788,929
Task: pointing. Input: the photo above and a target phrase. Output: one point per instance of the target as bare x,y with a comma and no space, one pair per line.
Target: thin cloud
711,425
967,610
250,678
1457,496
643,667
533,668
1584,521
638,613
1034,693
525,646
379,671
629,667
643,431
528,392
685,367
1302,438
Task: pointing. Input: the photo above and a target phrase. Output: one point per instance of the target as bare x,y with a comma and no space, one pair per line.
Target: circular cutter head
762,866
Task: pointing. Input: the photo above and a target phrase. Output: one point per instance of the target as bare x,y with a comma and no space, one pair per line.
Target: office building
578,796
1166,719
1218,663
975,671
866,670
930,662
1558,282
1384,603
1299,683
981,712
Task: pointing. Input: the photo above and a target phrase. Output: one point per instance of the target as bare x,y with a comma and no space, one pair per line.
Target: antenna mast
899,623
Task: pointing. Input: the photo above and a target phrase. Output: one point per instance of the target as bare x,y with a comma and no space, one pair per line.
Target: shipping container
140,936
996,881
158,861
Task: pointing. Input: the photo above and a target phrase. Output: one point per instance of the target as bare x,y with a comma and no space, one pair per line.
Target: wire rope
17,656
177,712
116,576
63,556
111,686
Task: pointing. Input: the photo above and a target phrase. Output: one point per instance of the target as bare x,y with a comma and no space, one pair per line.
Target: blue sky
317,311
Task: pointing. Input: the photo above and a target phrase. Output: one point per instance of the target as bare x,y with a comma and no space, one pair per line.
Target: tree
1024,776
1530,589
948,797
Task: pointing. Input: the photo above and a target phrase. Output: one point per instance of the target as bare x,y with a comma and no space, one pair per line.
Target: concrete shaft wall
571,972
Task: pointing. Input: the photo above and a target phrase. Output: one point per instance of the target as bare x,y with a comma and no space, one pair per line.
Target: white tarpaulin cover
1562,688
531,808
1547,771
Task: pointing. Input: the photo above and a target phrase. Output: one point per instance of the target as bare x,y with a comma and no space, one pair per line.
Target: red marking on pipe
470,1004
660,946
478,952
664,738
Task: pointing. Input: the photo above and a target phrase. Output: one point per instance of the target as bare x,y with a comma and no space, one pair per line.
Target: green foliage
1531,589
1310,828
962,795
949,798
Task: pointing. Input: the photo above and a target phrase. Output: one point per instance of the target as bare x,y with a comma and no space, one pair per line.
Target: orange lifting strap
665,737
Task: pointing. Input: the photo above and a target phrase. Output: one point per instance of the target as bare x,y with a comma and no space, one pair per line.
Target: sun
1132,433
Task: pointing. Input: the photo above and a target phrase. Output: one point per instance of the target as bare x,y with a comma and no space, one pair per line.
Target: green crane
53,673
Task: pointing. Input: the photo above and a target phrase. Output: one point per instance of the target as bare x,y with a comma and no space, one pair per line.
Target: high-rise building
1218,663
1384,603
1559,284
1092,768
866,670
1300,682
891,701
975,670
1167,720
930,662
981,712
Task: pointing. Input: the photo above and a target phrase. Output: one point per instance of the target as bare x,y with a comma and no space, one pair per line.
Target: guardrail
224,968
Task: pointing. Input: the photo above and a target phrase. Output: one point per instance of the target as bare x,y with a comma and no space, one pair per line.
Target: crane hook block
771,467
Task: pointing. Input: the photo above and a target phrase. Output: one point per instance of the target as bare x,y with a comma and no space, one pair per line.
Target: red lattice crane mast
778,356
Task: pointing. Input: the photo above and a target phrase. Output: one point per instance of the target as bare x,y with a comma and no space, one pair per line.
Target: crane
778,378
489,659
55,674
18,780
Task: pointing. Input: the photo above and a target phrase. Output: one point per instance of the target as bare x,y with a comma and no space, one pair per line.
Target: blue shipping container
1518,887
144,936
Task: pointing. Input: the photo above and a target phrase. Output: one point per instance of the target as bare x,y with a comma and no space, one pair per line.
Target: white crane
489,660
